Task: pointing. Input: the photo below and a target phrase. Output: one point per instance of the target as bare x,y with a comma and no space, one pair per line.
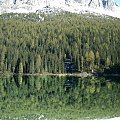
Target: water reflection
58,97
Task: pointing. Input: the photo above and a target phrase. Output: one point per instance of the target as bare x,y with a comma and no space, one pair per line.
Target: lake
59,97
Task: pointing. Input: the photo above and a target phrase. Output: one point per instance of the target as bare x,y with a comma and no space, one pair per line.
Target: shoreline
82,74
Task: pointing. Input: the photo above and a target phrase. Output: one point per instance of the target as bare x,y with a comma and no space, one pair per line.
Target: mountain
104,7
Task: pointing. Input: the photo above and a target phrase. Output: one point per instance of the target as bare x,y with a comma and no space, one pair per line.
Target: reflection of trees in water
36,93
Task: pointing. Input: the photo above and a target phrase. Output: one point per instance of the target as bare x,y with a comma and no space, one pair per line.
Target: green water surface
58,98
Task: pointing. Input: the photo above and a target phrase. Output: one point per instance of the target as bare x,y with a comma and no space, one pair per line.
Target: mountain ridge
103,7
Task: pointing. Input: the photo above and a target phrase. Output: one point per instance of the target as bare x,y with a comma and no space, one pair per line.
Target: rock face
93,3
66,5
98,3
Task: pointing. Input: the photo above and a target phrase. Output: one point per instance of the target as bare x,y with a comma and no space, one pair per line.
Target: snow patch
115,118
100,7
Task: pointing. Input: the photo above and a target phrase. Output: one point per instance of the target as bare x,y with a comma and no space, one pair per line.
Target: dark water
58,98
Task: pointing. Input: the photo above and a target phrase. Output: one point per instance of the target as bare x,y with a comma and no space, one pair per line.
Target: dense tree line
88,42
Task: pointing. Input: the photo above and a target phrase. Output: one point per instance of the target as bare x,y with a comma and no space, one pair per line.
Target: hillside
58,44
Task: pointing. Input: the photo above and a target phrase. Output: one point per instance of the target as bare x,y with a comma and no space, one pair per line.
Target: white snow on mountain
102,7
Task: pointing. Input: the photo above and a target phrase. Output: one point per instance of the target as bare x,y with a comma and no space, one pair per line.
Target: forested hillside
58,44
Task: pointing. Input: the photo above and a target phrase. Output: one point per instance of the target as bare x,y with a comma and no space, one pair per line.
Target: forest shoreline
82,74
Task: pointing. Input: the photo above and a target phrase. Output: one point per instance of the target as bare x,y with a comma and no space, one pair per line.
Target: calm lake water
58,98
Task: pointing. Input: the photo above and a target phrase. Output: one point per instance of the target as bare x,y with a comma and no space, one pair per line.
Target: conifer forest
58,44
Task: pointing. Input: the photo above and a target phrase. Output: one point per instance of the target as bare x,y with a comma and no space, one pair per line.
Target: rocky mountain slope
104,7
